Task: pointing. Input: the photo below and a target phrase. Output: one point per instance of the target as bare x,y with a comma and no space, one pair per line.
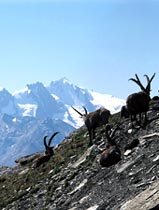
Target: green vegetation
22,184
14,186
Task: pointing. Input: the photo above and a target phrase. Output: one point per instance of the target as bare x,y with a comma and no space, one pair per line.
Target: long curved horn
52,137
145,75
152,77
137,81
115,129
85,110
148,84
77,111
148,87
45,144
110,134
107,131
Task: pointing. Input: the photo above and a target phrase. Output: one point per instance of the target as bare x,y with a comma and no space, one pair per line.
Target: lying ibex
138,103
112,154
48,152
48,148
94,119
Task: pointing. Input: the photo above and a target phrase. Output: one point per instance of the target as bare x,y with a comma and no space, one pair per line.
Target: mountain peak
4,93
1,88
64,80
21,91
36,85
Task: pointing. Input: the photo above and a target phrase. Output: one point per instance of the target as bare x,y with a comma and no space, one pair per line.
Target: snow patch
55,97
28,109
17,94
108,101
14,119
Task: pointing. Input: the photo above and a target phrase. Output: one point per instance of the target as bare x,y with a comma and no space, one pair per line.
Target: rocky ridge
74,180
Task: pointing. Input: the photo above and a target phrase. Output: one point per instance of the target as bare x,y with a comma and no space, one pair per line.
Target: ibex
124,112
138,103
112,154
48,148
48,152
94,119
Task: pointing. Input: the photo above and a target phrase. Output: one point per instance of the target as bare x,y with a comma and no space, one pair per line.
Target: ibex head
48,148
110,133
112,154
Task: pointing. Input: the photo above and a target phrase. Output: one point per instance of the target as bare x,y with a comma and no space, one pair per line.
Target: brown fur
49,152
111,155
94,119
138,103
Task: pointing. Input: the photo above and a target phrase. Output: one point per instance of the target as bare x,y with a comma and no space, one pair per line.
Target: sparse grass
115,118
15,186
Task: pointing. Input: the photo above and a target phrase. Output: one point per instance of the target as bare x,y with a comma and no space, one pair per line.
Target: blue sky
95,44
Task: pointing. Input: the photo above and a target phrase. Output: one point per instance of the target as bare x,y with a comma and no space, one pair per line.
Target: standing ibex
112,153
48,152
94,119
138,103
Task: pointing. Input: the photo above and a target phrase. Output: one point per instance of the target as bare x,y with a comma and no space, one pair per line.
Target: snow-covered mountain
7,103
55,101
35,100
72,95
37,110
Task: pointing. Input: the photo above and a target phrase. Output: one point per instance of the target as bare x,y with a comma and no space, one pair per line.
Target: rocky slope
74,180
